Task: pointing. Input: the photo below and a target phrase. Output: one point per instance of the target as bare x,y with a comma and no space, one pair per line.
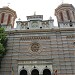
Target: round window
35,47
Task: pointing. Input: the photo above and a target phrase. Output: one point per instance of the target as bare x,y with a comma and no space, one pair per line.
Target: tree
3,37
3,43
2,49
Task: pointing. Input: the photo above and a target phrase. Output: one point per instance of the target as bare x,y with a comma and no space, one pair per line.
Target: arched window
23,72
2,17
68,15
46,72
35,72
61,16
9,19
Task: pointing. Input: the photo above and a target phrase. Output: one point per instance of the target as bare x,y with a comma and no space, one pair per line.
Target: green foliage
3,43
2,49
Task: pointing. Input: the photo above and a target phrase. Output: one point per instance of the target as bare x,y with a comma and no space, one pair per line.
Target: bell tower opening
61,16
68,15
46,72
2,17
23,72
35,72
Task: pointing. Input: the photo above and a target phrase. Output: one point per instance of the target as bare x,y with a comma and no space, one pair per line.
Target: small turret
65,14
7,17
35,17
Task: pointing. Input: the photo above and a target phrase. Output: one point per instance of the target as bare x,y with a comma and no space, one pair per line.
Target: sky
25,8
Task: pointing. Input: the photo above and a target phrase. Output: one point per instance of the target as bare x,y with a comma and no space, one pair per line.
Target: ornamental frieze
34,37
45,23
70,36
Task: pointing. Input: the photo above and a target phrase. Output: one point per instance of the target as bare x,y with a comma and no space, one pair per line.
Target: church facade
36,46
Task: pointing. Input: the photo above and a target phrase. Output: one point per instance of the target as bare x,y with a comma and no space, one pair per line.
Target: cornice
42,30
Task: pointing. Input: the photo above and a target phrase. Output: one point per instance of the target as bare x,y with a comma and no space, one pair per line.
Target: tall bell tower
65,14
7,17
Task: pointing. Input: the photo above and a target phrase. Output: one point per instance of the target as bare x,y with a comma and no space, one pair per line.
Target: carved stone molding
45,23
70,36
34,37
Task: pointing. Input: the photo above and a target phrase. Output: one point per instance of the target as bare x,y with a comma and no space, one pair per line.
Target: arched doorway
35,72
23,72
46,72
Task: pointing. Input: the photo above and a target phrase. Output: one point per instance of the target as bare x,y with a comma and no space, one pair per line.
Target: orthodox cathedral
36,46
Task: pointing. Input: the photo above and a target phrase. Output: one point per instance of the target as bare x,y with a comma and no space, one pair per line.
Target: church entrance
23,72
35,72
46,72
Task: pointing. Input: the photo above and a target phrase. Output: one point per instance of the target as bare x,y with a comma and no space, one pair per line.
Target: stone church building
36,46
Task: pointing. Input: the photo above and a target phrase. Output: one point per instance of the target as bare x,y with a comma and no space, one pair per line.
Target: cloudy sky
25,8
